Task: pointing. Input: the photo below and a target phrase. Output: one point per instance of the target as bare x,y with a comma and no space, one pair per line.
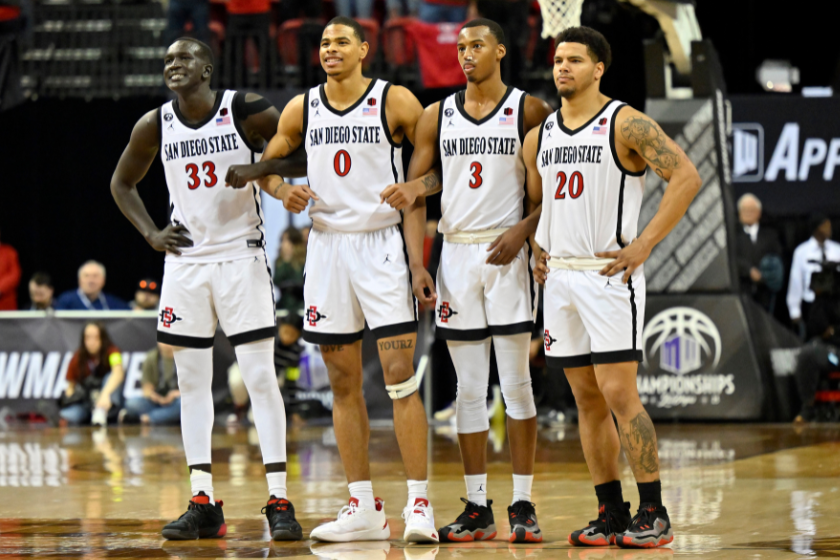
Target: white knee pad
519,399
402,390
471,414
515,375
472,364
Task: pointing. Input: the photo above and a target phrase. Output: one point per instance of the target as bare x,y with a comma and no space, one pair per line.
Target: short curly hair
596,44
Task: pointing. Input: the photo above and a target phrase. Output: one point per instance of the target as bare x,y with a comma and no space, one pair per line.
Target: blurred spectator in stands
758,251
806,258
9,276
248,20
13,23
94,379
446,11
296,9
512,16
361,9
147,296
400,8
89,296
161,400
40,292
182,11
288,269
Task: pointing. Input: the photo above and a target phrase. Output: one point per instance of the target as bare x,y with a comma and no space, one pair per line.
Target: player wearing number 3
586,165
216,270
353,129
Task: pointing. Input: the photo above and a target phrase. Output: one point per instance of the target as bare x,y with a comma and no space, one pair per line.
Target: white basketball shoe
420,523
355,523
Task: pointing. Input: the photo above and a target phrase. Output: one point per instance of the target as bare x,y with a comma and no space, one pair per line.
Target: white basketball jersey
483,169
590,202
351,158
224,223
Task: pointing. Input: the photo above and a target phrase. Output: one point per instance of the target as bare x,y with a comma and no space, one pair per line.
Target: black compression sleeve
244,109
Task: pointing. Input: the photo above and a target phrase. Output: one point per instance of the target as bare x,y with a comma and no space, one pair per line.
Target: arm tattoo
278,187
289,144
651,143
640,442
430,182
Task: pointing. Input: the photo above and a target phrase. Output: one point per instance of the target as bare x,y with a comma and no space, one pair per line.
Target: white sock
522,487
276,484
417,489
202,482
363,491
477,488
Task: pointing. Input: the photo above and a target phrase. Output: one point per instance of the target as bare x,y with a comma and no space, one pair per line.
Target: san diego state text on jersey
201,146
571,154
480,145
344,135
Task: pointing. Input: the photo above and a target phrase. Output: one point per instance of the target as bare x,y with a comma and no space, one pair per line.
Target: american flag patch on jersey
222,120
599,130
369,112
507,120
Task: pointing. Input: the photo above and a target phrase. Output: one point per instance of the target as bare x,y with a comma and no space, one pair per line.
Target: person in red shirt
94,377
9,277
248,19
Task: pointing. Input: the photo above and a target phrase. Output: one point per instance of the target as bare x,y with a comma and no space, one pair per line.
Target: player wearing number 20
586,165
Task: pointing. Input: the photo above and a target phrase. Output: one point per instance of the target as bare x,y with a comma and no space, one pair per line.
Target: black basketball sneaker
201,521
612,520
523,523
650,528
281,519
475,524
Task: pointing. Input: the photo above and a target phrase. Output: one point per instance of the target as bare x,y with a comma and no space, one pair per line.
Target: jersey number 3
210,179
575,185
475,171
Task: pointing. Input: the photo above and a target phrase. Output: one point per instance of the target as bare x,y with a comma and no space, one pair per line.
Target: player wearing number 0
216,269
353,129
586,165
484,284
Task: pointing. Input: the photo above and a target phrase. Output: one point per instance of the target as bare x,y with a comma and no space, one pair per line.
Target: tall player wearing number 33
352,129
216,270
586,165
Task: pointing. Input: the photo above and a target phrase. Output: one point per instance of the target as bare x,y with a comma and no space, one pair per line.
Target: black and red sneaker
650,528
281,520
523,523
475,524
612,520
201,521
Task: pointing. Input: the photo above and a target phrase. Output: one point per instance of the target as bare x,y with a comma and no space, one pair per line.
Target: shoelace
471,512
642,519
419,509
346,511
192,513
280,506
522,509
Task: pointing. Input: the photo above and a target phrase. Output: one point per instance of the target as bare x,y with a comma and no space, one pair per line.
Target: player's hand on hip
296,197
507,246
170,239
627,259
423,286
541,269
239,176
398,196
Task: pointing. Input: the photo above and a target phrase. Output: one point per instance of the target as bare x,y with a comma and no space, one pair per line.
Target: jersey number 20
575,185
209,171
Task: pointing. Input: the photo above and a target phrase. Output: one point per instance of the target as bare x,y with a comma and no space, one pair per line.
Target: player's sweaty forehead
337,32
180,48
472,35
572,50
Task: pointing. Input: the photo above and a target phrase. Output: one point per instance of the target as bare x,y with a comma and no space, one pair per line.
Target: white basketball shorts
477,300
195,297
593,319
354,277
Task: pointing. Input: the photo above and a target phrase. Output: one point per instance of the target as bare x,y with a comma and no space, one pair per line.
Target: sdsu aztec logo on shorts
445,312
313,316
167,317
549,340
683,336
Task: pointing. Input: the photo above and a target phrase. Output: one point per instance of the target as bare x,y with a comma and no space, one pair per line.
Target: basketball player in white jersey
216,269
586,165
352,129
484,279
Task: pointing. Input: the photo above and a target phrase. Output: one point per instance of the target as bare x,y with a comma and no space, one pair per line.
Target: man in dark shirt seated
758,250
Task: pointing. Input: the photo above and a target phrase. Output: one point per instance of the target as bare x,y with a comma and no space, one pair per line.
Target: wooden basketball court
733,491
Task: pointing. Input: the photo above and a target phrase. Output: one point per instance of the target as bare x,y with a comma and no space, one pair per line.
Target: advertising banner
699,360
786,151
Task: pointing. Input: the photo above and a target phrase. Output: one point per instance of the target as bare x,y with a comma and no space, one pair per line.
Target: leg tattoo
639,439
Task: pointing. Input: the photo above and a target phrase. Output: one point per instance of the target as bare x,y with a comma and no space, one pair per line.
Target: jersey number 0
342,163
